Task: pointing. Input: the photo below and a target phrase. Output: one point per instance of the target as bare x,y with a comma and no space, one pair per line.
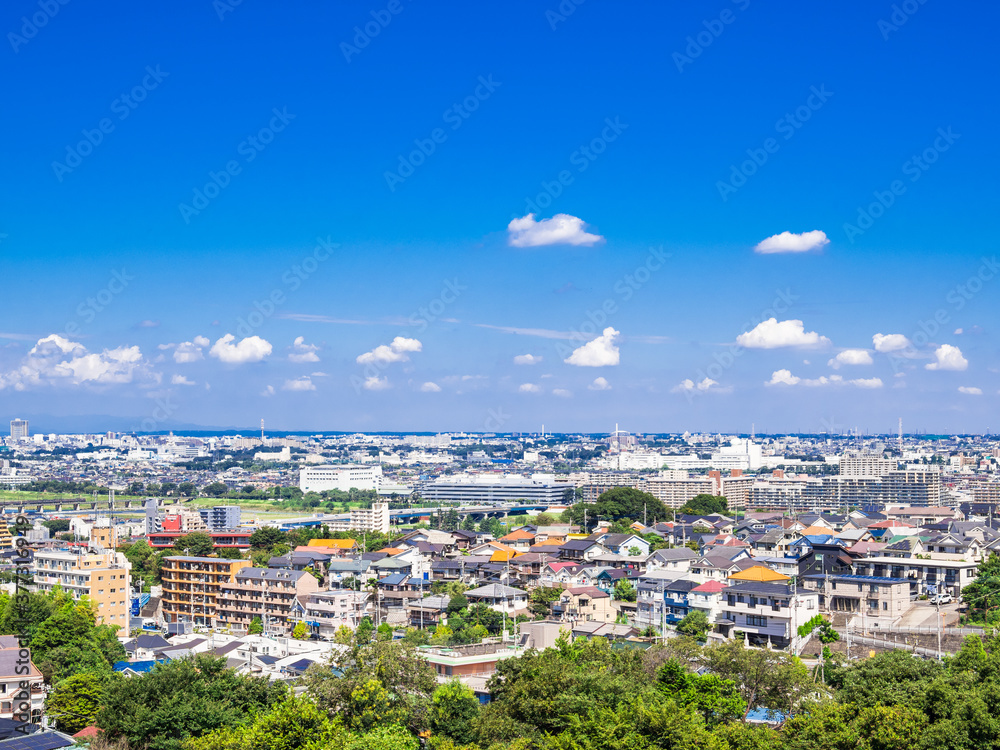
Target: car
942,599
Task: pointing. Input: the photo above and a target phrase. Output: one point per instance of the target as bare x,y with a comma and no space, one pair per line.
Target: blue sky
672,140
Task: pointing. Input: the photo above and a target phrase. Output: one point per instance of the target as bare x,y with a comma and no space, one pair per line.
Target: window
757,621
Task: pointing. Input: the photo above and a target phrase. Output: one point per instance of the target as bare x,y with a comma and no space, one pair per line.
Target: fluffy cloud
890,342
430,387
396,351
785,377
561,392
375,383
561,229
970,390
601,352
600,384
948,358
851,357
299,384
268,391
250,349
689,386
526,359
774,334
55,360
181,380
303,352
528,388
790,242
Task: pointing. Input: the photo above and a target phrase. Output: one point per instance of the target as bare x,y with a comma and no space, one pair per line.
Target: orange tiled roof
334,543
760,574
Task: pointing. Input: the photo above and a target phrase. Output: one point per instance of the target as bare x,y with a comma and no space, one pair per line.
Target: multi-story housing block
266,593
192,587
102,576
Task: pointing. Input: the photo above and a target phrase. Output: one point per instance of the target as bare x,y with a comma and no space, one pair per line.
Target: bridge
13,507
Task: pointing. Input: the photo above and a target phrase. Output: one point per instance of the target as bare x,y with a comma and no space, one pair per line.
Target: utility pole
939,622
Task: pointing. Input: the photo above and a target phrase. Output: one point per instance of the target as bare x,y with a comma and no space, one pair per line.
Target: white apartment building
375,518
103,577
865,465
485,488
342,477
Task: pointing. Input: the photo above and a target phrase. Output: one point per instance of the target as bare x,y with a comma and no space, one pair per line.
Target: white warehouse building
341,477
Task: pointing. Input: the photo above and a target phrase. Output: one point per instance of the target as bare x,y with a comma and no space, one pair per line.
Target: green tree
195,544
216,489
184,698
295,724
695,624
454,708
544,519
625,591
74,702
301,631
267,537
365,630
69,641
359,679
456,604
541,599
704,505
187,489
621,504
765,678
256,627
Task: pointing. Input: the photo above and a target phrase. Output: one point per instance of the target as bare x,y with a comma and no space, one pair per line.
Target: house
22,686
662,601
707,597
559,573
325,611
500,598
767,613
585,603
677,560
264,593
624,544
519,540
581,550
428,611
144,647
881,599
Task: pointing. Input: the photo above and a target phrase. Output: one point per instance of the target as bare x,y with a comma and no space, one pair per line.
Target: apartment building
914,485
343,477
102,576
375,518
266,593
881,599
325,611
862,464
192,587
19,703
768,612
675,492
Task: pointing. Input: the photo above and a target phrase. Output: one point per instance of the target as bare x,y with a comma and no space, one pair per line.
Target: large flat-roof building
19,429
486,488
344,477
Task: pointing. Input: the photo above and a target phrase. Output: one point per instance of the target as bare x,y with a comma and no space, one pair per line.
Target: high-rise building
192,587
863,464
221,517
101,576
19,429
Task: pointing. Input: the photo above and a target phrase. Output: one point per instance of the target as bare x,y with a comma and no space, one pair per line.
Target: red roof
711,587
561,565
891,524
91,731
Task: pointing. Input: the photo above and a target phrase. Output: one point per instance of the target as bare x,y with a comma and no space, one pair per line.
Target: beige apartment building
193,586
267,593
103,577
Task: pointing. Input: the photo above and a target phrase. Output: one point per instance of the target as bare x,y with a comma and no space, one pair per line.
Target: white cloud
790,242
867,382
250,349
299,384
55,360
970,390
772,334
851,357
396,351
430,387
526,359
948,358
528,388
303,352
890,342
959,331
181,380
601,352
561,392
689,386
268,391
785,377
561,229
375,383
600,384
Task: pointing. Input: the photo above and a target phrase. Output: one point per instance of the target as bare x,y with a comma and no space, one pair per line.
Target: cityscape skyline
717,225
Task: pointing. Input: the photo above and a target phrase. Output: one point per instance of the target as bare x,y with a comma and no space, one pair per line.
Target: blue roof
766,715
138,666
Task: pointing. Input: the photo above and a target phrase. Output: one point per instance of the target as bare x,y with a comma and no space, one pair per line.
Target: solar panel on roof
39,741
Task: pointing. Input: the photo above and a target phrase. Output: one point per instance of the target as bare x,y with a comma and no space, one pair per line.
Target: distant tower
901,433
262,430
